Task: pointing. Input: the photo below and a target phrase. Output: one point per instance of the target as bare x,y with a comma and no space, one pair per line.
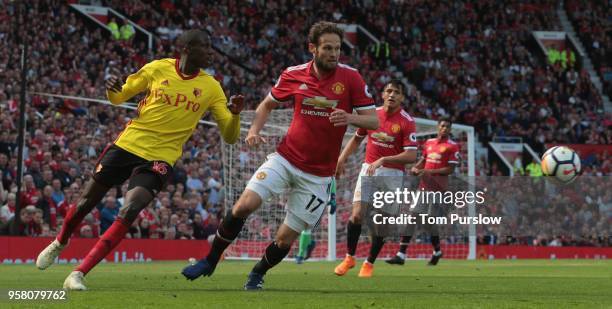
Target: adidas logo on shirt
303,87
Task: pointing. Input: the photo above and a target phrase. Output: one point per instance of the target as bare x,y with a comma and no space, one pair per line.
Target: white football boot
74,282
49,254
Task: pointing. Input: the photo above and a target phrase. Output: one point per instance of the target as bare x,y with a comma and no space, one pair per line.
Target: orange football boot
347,263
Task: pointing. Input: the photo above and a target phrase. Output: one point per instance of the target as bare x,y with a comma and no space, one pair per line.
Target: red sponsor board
255,249
25,250
533,252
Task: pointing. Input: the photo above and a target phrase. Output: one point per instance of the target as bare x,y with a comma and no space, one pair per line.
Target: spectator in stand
214,185
57,194
86,232
114,28
109,213
48,207
27,225
194,182
7,211
127,31
198,227
29,193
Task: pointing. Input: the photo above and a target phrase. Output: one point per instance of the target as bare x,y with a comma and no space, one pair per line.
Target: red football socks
111,238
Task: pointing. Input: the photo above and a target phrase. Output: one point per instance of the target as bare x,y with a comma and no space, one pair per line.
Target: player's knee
356,214
130,211
246,204
356,218
283,242
90,197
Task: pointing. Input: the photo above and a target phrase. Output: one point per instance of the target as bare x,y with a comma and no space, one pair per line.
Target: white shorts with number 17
308,194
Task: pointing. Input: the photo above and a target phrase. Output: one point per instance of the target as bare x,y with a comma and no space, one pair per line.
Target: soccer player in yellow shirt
178,93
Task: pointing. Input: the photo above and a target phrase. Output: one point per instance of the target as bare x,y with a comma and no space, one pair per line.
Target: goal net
240,162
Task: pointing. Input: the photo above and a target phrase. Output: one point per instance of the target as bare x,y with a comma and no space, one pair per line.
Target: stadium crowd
591,20
469,60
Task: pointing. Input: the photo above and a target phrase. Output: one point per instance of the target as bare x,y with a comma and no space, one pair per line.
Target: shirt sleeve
424,150
135,83
282,91
410,141
229,124
361,132
361,98
454,155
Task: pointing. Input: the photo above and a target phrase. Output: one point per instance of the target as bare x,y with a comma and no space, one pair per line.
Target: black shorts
116,165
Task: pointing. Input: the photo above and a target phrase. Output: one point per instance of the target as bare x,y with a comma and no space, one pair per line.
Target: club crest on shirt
395,128
443,149
261,175
338,88
165,83
197,92
160,167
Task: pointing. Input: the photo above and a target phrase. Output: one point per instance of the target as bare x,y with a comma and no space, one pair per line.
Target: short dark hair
189,36
445,119
321,28
396,83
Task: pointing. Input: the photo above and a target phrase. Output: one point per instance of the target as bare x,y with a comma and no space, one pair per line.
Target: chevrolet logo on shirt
383,137
434,156
320,102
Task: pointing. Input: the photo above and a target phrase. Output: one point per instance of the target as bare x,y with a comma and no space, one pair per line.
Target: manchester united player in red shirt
324,94
389,149
440,157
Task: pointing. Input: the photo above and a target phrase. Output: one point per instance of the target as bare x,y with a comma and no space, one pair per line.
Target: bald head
196,51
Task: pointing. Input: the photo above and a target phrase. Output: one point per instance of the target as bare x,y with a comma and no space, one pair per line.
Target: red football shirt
439,153
312,143
395,134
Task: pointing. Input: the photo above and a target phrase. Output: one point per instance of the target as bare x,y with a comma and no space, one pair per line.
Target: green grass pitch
452,284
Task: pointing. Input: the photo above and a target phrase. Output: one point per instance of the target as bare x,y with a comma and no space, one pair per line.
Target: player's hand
415,171
114,83
254,140
340,117
236,104
374,166
340,168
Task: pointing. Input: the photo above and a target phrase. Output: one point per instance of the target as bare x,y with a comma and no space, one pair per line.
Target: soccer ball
562,163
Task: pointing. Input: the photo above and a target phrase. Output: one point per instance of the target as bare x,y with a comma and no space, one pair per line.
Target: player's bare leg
228,230
136,199
353,232
274,254
91,196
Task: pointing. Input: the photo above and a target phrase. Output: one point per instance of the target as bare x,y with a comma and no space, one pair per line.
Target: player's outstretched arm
117,92
348,150
406,157
227,116
365,119
261,116
444,171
